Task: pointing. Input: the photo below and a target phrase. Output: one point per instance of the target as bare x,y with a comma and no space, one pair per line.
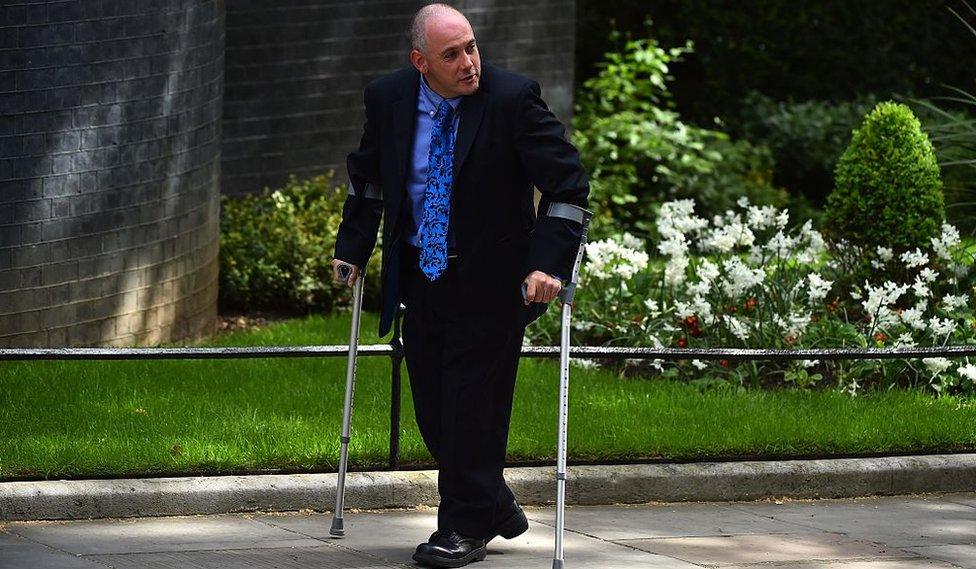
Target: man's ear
419,61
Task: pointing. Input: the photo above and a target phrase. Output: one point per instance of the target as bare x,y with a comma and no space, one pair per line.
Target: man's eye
450,55
471,48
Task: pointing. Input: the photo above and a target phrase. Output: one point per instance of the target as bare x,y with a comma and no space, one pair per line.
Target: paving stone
961,555
893,521
320,557
964,499
742,549
19,553
663,520
862,564
142,535
393,536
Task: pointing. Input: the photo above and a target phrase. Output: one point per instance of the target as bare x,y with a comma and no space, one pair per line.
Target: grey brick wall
295,71
109,170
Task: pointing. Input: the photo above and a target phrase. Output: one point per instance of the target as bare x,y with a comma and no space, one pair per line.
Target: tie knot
444,111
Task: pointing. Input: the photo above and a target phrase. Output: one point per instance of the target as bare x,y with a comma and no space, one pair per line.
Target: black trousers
462,358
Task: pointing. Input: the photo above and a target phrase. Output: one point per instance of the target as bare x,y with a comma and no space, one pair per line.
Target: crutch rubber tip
557,564
337,529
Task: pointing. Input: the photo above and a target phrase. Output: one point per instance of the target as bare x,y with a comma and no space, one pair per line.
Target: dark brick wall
295,71
109,170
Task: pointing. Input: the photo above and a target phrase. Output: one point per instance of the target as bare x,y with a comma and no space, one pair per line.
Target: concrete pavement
867,533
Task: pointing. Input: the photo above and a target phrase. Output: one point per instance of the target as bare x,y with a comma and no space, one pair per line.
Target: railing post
396,359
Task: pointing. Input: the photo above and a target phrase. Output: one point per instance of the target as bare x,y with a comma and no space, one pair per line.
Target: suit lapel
472,108
404,119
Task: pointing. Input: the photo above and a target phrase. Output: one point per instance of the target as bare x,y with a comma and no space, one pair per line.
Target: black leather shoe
513,523
449,549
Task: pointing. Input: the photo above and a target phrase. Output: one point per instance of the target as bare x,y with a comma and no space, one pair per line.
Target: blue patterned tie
437,194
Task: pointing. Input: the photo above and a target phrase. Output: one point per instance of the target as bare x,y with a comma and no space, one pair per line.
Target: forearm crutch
581,216
337,529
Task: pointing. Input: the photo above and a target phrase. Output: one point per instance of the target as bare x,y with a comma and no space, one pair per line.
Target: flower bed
746,279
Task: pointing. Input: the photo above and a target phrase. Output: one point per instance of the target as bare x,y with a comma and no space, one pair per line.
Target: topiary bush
276,248
888,191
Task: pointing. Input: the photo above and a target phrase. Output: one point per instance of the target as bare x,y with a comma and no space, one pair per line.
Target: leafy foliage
806,138
276,248
638,152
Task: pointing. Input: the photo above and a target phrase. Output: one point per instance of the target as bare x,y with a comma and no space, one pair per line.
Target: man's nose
467,62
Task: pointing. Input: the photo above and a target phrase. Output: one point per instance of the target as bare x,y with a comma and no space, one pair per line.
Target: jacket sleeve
363,207
553,165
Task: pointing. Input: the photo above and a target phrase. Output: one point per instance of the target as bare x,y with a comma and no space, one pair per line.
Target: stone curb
617,484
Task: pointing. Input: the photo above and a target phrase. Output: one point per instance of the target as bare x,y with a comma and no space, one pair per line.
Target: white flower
674,246
699,364
913,318
743,202
632,242
928,275
780,244
674,270
885,253
653,309
936,365
707,271
879,298
677,217
783,218
818,287
723,239
698,307
914,258
809,363
584,363
945,242
795,323
968,371
952,302
738,329
609,258
941,327
740,278
761,217
815,244
904,340
921,289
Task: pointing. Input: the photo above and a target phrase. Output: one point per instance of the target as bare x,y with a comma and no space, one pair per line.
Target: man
450,152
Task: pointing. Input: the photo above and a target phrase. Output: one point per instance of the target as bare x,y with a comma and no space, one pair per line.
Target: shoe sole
433,561
514,526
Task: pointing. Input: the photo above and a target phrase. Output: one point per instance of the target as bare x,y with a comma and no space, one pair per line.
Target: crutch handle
565,294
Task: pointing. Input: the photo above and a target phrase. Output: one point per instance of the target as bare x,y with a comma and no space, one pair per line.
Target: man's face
451,63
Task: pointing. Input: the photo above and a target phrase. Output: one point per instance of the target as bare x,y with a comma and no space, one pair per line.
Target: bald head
427,14
444,51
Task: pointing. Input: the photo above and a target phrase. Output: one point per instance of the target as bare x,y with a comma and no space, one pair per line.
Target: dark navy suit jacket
507,142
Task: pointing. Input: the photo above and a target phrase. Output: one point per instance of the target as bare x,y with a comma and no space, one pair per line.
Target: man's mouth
469,78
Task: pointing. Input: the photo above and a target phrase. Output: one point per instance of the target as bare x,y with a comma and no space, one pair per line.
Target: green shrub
276,248
888,190
639,153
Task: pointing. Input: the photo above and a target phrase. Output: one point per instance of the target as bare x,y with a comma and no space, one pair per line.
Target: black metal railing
394,351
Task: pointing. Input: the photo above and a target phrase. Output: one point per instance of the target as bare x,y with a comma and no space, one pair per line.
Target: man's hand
353,274
541,287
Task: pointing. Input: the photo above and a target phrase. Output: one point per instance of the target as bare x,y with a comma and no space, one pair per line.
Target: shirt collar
431,97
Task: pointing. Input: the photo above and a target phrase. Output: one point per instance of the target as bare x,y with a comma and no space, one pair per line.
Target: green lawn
139,417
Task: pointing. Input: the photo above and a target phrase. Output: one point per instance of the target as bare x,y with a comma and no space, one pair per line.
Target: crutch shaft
337,529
